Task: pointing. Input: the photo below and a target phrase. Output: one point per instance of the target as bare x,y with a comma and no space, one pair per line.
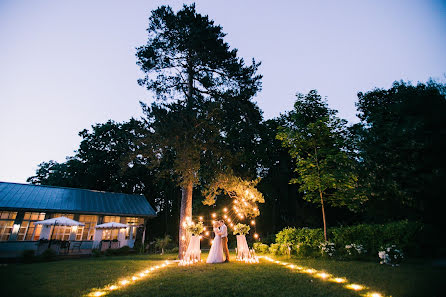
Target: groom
224,239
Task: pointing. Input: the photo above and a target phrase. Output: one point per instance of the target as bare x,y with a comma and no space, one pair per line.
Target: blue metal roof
44,198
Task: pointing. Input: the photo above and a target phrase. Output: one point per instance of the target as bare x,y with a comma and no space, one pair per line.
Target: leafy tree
401,141
196,76
319,143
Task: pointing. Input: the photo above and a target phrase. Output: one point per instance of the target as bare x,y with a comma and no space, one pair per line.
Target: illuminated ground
81,277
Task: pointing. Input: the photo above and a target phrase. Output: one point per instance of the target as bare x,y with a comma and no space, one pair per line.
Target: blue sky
65,65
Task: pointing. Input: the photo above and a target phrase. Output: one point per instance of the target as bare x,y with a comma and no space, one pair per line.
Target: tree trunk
323,216
185,211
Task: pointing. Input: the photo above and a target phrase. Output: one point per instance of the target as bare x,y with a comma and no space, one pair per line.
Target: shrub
293,236
328,249
28,256
173,250
408,236
49,255
260,248
354,251
306,250
390,255
274,248
96,252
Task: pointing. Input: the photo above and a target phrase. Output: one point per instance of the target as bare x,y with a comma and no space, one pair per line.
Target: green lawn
79,277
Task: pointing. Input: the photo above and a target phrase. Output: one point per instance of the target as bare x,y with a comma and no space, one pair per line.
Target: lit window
28,230
6,223
86,232
61,232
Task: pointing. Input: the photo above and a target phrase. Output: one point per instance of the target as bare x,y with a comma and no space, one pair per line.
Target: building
21,205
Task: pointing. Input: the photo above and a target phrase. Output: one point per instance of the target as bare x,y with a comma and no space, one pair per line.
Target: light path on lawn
361,289
137,278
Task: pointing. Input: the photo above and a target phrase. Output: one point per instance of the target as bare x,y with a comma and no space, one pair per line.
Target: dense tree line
204,123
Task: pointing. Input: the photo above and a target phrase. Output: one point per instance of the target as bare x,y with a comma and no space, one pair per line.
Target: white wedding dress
216,252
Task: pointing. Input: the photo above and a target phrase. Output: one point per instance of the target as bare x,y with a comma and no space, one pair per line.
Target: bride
216,252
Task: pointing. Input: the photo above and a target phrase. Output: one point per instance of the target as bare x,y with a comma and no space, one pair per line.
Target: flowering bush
327,249
355,249
390,255
241,229
195,228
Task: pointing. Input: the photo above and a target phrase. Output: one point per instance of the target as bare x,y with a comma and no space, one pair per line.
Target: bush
354,251
28,256
260,248
306,250
390,255
49,255
328,249
96,252
293,236
408,236
173,250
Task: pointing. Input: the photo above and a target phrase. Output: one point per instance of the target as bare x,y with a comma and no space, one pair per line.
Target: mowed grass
80,277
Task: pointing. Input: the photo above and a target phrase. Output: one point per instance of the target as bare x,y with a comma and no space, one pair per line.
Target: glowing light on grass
122,283
373,294
323,275
338,280
354,287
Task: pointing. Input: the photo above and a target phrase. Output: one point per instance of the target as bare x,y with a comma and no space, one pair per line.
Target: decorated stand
243,253
193,252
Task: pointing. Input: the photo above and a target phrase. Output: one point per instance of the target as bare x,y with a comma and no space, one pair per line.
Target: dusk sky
66,65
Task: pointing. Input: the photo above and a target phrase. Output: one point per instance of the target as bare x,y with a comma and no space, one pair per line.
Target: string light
225,209
214,215
256,235
200,218
253,222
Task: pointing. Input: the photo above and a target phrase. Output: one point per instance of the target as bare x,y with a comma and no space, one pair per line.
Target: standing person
224,239
216,252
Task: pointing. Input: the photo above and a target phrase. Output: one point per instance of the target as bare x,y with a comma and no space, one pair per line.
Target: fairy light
374,294
354,287
122,283
338,280
207,233
325,277
256,235
200,218
225,209
214,215
225,216
253,222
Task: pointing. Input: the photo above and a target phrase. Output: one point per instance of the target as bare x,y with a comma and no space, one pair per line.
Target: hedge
411,237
